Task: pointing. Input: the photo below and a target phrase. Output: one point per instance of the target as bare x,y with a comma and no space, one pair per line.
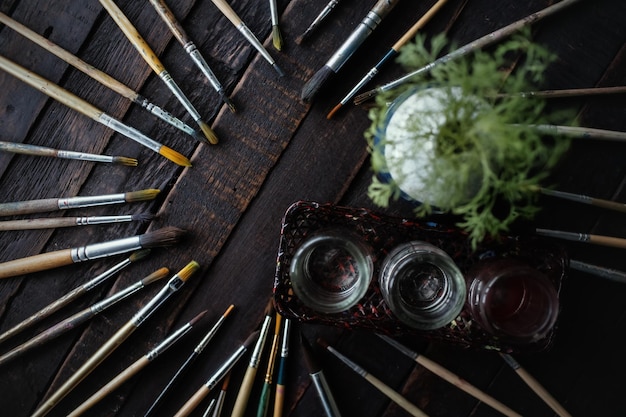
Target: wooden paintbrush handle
614,242
227,11
27,207
244,392
31,224
36,263
395,397
172,23
193,402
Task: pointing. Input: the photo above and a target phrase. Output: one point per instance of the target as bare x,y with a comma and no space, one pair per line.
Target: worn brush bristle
155,276
199,316
188,270
251,339
166,236
122,160
208,132
312,86
277,38
142,217
228,102
174,156
139,255
142,195
362,98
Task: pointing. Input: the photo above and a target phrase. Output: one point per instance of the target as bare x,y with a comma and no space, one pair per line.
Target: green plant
487,132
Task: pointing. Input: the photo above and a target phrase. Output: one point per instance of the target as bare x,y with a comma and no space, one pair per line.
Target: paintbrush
150,57
189,361
279,398
345,51
167,236
585,199
450,377
247,33
190,47
73,294
78,104
581,132
319,380
212,382
479,43
392,53
34,150
277,37
614,242
269,373
135,367
245,388
81,317
535,386
210,407
55,222
67,203
572,92
377,383
170,288
600,271
99,76
221,396
317,21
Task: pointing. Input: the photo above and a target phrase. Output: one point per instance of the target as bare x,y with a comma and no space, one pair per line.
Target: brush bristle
143,217
362,98
188,270
312,86
142,195
228,102
122,160
208,132
269,308
167,236
333,111
251,339
174,156
139,255
228,310
225,382
323,343
277,38
194,320
156,275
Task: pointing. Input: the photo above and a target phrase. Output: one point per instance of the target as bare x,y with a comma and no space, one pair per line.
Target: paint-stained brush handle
170,20
17,208
36,263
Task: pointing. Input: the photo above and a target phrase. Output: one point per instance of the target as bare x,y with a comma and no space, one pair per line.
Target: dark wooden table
277,150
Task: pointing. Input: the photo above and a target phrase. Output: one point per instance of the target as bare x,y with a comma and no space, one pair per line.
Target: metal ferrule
106,274
329,7
326,397
168,342
118,296
170,288
274,12
577,237
405,350
255,42
206,339
568,196
84,156
351,44
202,64
510,360
258,348
368,77
84,221
226,366
356,368
129,132
284,349
166,116
91,201
100,250
175,89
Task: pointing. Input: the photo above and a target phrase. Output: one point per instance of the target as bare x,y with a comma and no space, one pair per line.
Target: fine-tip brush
345,51
81,317
277,37
573,92
74,294
578,132
167,236
221,397
56,222
217,376
475,45
450,377
170,288
151,59
35,150
209,408
136,366
392,53
269,373
241,401
319,380
189,361
614,242
230,14
66,203
585,199
78,104
98,75
599,271
190,47
317,21
534,385
394,396
281,377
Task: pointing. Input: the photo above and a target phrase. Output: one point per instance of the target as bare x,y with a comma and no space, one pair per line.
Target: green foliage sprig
488,127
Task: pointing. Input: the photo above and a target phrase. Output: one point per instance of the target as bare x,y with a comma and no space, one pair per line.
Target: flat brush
81,317
190,47
317,21
392,53
135,367
345,51
171,287
281,377
189,361
479,43
78,104
378,384
56,222
450,377
167,236
34,150
319,380
614,242
67,203
267,382
150,57
74,294
277,37
585,199
212,382
230,14
98,75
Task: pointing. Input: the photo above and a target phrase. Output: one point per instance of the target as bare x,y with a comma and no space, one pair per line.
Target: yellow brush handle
36,263
244,392
193,402
228,12
133,36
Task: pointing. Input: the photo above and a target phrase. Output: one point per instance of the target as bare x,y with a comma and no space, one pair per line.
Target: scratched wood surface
274,151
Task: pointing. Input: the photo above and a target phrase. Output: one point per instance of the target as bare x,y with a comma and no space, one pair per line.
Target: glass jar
422,285
512,300
331,270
